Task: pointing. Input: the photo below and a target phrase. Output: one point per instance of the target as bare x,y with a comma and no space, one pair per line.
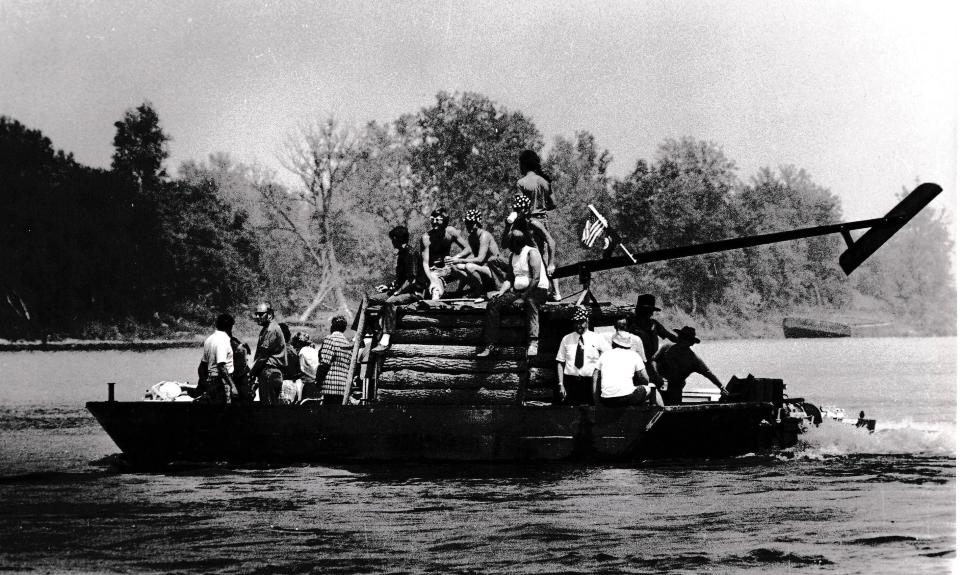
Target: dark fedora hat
647,301
688,333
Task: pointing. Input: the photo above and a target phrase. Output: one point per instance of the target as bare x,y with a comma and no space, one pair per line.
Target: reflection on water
843,501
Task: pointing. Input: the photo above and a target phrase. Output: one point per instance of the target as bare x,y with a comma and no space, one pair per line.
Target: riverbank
709,327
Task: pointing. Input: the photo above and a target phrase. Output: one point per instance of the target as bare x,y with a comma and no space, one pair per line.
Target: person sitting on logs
527,283
270,359
620,379
676,361
216,367
650,331
406,288
435,251
577,360
334,367
471,262
309,360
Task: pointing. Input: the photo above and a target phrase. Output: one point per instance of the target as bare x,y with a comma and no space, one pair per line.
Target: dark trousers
674,393
217,391
579,390
531,310
269,383
388,308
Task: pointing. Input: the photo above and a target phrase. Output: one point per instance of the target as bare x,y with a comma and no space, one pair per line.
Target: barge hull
160,432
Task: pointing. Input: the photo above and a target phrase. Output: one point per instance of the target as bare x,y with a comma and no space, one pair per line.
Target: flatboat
429,398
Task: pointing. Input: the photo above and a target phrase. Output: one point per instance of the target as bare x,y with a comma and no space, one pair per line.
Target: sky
862,95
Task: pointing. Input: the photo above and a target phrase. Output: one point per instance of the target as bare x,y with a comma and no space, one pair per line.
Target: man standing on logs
435,251
270,359
216,367
406,288
650,331
577,360
472,261
527,283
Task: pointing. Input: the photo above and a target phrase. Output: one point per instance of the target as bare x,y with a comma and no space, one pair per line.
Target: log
451,365
456,336
409,379
447,397
465,319
452,351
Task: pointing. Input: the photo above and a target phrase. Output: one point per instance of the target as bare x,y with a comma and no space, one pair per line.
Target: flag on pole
592,231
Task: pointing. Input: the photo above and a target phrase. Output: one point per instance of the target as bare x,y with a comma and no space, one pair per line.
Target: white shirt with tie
593,346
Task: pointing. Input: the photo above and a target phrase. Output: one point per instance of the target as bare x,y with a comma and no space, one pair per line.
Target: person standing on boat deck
406,288
527,283
535,186
292,371
676,361
216,367
270,359
620,380
472,261
650,331
241,371
577,360
309,360
435,251
334,369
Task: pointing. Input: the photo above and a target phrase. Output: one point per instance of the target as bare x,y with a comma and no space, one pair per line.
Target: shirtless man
435,251
472,260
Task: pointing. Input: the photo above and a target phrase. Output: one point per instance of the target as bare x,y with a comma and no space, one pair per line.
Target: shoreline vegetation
863,323
137,253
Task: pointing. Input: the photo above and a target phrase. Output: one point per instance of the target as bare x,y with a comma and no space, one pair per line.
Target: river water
844,501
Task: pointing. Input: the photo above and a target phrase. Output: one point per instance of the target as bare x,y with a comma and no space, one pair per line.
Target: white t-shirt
217,349
617,367
521,270
309,360
594,344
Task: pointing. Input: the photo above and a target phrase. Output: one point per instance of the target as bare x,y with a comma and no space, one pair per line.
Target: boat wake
904,437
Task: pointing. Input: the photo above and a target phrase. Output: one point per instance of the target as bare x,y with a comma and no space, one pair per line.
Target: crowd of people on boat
629,367
287,367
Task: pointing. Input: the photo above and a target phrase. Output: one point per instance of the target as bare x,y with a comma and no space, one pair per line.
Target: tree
388,188
324,156
578,170
466,152
912,273
140,147
791,273
682,199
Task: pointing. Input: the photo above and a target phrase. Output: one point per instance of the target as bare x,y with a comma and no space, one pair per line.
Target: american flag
594,230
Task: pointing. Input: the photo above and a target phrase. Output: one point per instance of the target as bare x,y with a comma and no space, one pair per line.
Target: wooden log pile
433,357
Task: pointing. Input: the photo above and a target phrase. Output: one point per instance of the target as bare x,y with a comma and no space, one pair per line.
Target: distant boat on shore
800,327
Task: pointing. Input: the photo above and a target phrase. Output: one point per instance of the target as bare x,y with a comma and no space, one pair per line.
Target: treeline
132,247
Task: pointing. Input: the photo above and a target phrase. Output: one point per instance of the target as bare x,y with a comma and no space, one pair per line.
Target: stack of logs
433,357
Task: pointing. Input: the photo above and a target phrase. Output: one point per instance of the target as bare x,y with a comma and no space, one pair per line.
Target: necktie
578,360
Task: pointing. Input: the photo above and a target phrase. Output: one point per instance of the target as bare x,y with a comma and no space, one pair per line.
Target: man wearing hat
472,261
620,379
676,361
649,331
270,359
577,360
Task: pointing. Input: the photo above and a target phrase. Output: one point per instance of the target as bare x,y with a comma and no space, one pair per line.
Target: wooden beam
450,365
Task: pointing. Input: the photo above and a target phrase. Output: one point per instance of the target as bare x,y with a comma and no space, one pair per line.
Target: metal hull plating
156,432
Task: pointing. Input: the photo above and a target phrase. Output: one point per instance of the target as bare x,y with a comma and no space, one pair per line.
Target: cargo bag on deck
753,388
